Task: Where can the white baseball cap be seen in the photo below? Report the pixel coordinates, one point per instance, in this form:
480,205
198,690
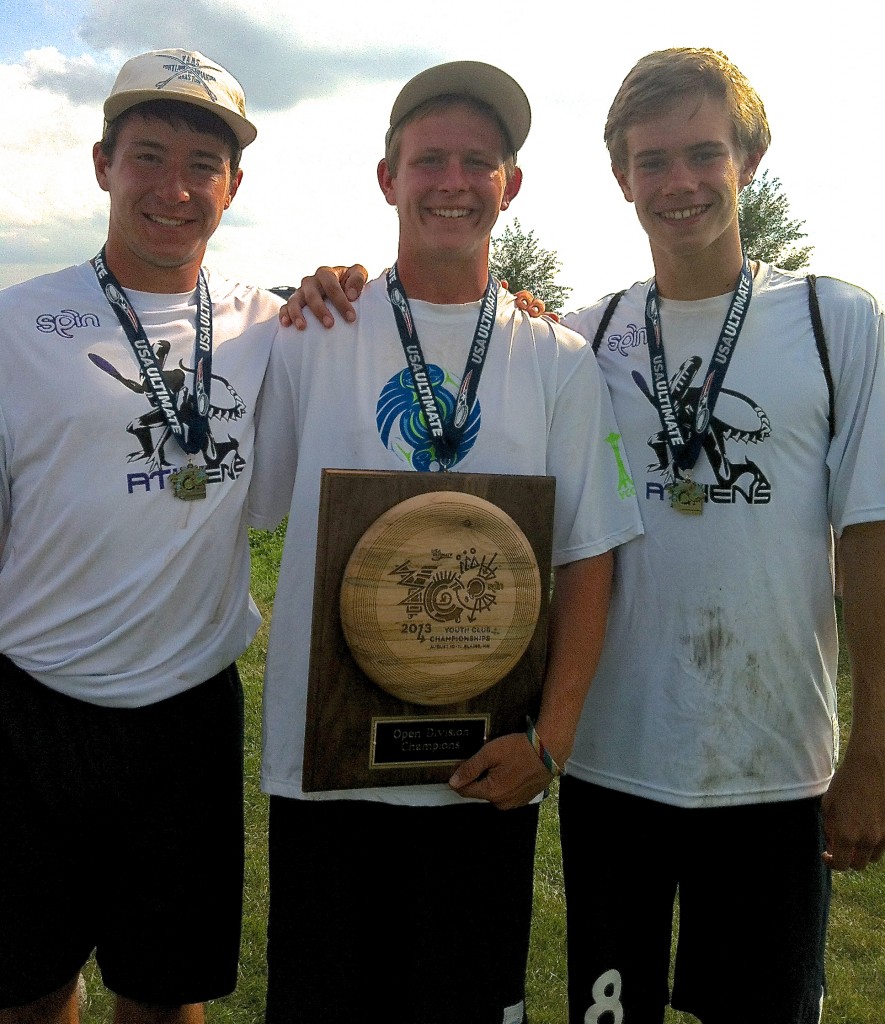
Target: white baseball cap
471,78
186,76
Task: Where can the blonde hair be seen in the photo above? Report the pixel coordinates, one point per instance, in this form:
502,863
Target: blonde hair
658,80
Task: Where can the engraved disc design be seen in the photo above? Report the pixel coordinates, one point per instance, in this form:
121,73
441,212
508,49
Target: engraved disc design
440,598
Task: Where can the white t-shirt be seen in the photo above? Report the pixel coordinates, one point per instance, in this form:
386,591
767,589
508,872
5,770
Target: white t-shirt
717,681
343,399
111,589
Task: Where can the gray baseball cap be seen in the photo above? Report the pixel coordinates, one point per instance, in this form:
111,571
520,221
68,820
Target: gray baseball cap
471,78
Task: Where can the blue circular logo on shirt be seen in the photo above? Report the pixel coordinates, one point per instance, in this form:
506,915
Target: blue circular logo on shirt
401,424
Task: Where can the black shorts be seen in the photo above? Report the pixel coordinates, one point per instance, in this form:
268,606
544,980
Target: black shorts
122,833
410,915
753,903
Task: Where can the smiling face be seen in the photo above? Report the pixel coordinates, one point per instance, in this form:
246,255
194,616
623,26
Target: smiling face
684,171
169,186
449,188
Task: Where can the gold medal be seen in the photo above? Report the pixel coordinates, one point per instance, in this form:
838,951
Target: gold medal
687,497
189,483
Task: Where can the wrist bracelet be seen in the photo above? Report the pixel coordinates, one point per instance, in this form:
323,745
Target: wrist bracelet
541,750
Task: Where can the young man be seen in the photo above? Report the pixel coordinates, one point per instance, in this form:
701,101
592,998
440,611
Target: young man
420,896
704,758
127,388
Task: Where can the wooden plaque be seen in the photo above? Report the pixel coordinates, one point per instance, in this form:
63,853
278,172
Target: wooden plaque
429,621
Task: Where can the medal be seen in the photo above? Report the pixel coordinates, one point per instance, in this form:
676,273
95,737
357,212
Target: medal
687,496
189,483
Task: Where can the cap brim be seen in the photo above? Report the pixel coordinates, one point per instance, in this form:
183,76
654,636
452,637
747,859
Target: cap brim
120,102
471,78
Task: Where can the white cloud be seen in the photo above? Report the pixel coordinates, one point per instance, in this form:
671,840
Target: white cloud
82,79
270,54
321,96
50,204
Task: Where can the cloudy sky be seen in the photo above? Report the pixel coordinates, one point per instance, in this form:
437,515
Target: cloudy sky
320,80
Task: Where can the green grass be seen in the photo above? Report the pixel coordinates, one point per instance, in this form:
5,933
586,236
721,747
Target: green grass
856,952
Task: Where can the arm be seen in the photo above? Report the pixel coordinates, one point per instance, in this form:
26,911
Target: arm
275,455
506,771
340,285
854,805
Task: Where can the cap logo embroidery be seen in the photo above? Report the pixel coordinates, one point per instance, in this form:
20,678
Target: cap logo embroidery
188,69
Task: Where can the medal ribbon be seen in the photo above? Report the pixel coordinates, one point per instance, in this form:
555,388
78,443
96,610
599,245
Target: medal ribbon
192,431
446,435
684,451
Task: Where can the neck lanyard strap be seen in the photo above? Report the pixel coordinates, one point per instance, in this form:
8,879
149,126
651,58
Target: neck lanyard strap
686,447
188,422
446,434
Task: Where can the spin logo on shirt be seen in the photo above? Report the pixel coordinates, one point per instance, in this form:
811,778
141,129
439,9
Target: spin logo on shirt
63,323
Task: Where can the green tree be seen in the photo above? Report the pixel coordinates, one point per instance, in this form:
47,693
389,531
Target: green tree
517,258
766,230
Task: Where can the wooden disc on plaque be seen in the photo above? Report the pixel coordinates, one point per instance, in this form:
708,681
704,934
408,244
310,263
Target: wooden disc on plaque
440,598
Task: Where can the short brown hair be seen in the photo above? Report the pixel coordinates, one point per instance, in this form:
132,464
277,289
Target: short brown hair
174,112
445,102
658,80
